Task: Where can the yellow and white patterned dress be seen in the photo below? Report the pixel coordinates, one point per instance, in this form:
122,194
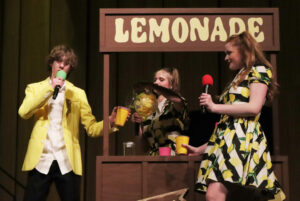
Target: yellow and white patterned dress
237,151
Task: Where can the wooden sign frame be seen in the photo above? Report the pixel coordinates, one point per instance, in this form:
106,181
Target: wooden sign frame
184,29
107,45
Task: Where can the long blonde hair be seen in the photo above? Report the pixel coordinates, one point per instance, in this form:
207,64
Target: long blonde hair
252,54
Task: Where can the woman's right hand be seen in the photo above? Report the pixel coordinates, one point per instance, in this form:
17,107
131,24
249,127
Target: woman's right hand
194,151
206,100
136,118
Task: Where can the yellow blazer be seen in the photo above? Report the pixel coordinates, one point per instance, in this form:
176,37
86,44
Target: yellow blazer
76,109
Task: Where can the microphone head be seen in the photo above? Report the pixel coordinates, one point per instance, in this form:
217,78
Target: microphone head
62,74
207,80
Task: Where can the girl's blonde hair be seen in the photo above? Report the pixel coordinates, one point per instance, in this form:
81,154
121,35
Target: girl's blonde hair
173,78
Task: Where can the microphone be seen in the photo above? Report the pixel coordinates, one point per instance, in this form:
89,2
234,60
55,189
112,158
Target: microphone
207,81
62,74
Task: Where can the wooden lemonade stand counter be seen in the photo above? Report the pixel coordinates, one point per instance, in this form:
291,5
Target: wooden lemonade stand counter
136,177
130,178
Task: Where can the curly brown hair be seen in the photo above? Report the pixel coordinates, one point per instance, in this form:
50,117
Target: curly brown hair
57,54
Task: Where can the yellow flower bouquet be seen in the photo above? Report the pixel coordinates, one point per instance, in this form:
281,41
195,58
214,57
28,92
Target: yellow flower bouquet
145,104
143,99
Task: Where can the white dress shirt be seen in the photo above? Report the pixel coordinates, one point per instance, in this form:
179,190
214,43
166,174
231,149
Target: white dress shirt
54,147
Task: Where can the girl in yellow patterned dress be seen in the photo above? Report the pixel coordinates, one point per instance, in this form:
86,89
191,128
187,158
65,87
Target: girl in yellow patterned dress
237,154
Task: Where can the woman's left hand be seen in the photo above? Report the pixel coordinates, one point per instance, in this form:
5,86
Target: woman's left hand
206,100
136,118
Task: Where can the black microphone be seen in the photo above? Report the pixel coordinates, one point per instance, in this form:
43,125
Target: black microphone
62,74
207,81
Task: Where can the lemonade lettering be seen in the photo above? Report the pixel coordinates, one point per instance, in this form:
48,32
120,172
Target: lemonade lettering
181,29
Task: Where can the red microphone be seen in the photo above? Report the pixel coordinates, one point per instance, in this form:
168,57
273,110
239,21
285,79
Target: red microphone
207,81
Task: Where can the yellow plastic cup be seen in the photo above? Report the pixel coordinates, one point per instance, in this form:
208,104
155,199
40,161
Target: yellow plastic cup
181,140
122,114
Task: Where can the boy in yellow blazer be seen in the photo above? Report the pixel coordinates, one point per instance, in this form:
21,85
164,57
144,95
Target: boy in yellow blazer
53,153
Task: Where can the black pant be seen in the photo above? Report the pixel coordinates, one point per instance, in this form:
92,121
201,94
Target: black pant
38,185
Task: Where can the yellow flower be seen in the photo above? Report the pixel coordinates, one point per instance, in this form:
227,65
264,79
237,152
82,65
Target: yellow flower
245,92
227,174
212,150
250,169
226,131
269,72
264,177
222,163
208,172
222,143
270,184
231,134
246,166
235,161
145,104
242,147
269,164
255,146
137,103
265,157
249,136
230,148
213,138
264,143
199,172
256,158
256,74
205,165
231,97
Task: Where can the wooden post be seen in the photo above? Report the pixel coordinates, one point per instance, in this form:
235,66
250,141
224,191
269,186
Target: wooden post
106,105
276,137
